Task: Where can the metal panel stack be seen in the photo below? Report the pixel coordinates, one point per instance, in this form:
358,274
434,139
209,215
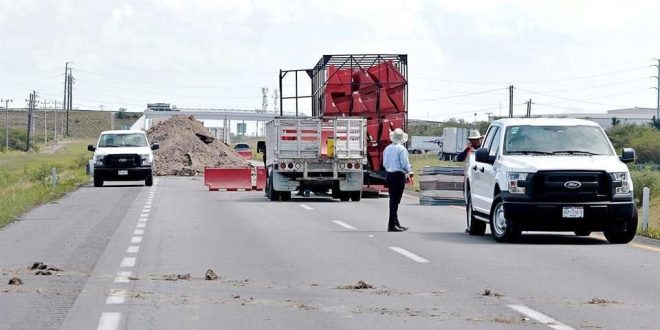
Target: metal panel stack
441,185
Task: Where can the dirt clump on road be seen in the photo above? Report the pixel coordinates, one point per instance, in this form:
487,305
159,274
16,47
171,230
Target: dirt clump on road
361,285
43,269
15,281
186,147
211,275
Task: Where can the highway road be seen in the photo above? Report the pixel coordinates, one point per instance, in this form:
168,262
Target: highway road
124,252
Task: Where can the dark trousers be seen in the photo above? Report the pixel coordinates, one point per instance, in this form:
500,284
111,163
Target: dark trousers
396,182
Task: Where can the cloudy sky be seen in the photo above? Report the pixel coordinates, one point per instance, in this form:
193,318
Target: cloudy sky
567,56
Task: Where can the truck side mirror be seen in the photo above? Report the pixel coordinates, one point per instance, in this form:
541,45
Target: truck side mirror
155,146
91,148
628,155
482,156
261,147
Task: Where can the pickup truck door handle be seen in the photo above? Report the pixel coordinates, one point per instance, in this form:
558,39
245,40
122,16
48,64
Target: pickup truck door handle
482,170
474,167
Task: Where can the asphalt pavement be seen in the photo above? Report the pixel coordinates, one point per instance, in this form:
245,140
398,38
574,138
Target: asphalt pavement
135,257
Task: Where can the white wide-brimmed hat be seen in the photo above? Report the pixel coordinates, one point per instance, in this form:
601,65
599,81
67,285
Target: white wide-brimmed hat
398,136
474,135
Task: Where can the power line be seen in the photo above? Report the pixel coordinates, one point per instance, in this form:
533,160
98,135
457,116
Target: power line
568,99
166,85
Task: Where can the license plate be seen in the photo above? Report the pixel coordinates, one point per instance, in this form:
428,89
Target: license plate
573,212
122,172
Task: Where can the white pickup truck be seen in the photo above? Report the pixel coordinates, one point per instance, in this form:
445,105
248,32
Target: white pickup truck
549,175
123,156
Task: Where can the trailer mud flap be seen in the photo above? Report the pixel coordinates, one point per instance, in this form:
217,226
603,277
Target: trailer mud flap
233,178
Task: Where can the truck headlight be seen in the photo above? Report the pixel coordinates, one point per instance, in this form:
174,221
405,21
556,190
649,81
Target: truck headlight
626,185
98,160
513,179
146,159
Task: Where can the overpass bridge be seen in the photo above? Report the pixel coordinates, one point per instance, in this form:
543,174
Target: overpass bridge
217,120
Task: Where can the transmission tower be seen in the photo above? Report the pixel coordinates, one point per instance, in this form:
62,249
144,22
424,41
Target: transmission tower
275,97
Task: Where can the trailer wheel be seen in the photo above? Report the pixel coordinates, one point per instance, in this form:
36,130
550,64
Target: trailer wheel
272,194
344,196
356,195
336,193
98,181
286,195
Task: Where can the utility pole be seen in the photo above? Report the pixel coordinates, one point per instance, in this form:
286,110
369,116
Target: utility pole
55,125
45,103
511,101
31,103
66,84
69,97
657,89
529,108
7,101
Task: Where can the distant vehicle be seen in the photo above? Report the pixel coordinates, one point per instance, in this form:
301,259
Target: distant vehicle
244,150
453,142
425,144
123,156
161,107
546,174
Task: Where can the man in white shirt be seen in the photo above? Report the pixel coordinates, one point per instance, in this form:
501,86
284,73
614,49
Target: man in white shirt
397,165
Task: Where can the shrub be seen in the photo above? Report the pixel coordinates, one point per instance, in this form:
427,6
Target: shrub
645,178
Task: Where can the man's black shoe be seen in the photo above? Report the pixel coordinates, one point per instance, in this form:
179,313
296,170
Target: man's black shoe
395,229
402,228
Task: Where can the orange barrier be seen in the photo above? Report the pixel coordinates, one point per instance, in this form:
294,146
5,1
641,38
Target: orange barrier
230,178
234,178
261,178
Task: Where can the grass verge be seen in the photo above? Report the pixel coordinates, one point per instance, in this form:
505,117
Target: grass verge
25,178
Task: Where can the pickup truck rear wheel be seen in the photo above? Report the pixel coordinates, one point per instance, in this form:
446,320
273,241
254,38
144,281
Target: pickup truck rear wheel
286,195
475,227
149,181
356,196
500,226
625,236
344,196
98,182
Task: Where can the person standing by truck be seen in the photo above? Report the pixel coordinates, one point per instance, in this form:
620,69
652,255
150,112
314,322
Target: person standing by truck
474,143
399,170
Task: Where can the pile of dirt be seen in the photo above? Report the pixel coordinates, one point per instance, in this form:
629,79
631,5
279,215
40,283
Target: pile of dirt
361,285
186,146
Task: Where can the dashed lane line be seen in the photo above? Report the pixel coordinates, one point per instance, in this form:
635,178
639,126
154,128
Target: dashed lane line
305,207
345,225
116,297
141,225
109,321
408,254
540,317
133,249
136,239
138,232
127,262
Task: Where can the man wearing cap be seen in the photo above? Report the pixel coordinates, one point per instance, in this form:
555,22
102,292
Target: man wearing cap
397,165
474,143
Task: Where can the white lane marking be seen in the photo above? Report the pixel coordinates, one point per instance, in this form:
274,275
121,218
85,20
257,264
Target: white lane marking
116,297
408,254
136,239
146,210
144,215
133,249
305,207
123,277
127,262
138,232
109,321
457,207
143,219
540,317
141,225
345,225
149,202
147,206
